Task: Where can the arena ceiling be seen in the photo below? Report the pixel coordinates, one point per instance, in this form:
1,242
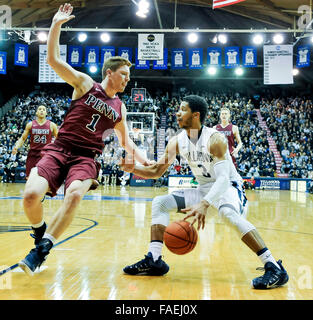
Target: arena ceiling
276,13
183,14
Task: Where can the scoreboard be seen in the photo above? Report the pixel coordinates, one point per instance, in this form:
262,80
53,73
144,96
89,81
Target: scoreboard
138,95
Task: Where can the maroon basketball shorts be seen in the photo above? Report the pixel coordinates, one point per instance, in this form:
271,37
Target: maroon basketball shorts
58,165
33,157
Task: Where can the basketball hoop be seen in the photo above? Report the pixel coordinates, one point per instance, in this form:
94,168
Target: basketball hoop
136,132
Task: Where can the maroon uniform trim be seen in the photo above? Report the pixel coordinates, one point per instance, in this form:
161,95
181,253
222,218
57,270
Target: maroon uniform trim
89,120
229,134
40,135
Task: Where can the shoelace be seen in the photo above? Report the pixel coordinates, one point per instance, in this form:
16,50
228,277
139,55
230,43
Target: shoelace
142,263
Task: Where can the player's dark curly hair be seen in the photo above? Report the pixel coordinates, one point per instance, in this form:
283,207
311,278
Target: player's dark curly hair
197,104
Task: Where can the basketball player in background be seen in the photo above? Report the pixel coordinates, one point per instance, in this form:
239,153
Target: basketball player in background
220,185
95,111
41,132
231,132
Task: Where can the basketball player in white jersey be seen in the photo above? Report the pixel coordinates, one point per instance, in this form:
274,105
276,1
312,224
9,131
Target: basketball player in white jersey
206,151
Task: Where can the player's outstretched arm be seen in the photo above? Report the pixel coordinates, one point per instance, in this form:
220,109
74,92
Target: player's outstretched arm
79,80
22,139
156,170
122,132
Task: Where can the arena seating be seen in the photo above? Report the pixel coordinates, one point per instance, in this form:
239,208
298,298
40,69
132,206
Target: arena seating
275,137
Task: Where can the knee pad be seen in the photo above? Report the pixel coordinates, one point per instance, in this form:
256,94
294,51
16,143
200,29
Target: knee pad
161,207
234,219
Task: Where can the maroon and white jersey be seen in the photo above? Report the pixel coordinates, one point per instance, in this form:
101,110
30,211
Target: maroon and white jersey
228,132
89,120
40,135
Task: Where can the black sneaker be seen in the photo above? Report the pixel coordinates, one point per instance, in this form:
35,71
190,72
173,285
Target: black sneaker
38,233
36,257
148,266
272,278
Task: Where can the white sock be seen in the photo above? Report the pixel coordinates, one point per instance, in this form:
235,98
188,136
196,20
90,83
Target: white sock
155,248
267,257
38,225
50,237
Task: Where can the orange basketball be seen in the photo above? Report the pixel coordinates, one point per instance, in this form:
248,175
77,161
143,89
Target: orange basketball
180,237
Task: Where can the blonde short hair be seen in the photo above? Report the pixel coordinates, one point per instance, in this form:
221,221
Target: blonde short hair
113,64
225,109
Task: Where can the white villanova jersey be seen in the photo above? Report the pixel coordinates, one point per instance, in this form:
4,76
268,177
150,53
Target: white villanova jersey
199,158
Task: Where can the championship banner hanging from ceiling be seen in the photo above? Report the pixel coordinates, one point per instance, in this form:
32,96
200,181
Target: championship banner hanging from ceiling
150,46
224,3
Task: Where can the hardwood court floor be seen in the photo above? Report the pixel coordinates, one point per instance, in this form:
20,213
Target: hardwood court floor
111,230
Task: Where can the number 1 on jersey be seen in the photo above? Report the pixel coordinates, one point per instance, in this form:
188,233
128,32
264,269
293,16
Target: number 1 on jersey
92,125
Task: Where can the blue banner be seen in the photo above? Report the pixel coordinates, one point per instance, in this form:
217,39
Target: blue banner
249,56
126,53
195,58
303,56
161,64
214,57
136,181
3,62
91,55
141,64
178,59
21,55
231,57
75,56
107,53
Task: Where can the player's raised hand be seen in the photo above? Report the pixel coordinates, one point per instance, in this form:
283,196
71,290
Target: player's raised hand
127,164
64,14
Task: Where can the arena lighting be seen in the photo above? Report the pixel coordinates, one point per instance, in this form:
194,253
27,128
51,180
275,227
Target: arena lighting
212,71
140,14
295,71
258,39
82,37
192,37
239,71
93,69
278,38
105,37
143,8
222,38
42,36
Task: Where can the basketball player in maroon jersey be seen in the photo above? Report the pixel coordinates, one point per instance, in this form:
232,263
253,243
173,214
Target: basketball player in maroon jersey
95,111
231,132
41,132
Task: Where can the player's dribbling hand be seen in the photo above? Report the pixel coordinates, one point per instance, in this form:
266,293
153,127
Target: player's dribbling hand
127,164
199,212
64,14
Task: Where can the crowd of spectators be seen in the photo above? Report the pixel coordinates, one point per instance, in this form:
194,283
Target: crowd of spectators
289,120
291,124
14,122
255,158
